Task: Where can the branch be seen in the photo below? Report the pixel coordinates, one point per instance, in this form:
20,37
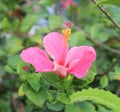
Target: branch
107,14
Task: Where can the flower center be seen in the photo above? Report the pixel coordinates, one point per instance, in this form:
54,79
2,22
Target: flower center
66,31
60,70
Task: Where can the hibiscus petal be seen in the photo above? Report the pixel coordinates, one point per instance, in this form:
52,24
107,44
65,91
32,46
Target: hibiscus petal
60,70
37,58
79,60
56,47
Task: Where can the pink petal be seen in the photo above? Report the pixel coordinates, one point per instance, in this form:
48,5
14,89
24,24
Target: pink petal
56,47
79,60
60,70
73,3
67,3
37,58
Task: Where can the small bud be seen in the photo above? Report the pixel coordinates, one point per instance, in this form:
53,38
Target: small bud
26,68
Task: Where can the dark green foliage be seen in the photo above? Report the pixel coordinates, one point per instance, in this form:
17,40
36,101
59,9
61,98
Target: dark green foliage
22,89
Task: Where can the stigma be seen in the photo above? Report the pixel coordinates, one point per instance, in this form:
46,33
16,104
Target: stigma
66,32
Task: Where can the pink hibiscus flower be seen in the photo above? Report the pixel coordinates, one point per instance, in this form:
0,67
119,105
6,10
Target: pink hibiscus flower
63,60
67,3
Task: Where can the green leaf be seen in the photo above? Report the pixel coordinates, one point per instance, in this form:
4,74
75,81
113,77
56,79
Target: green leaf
23,77
52,79
15,24
37,98
20,91
114,11
117,70
55,22
80,107
67,81
20,65
28,22
13,45
62,97
9,69
44,30
87,107
15,65
6,24
113,76
55,106
36,38
113,2
97,31
116,74
104,81
50,97
34,81
47,3
78,38
101,1
103,109
72,108
13,61
102,97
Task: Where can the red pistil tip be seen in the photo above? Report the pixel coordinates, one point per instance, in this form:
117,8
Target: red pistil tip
68,24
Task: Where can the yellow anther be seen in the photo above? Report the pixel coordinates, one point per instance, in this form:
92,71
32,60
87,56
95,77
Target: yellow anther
66,32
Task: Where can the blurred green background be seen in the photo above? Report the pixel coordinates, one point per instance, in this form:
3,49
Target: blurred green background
23,23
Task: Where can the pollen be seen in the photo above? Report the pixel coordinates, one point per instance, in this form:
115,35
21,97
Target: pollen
66,32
